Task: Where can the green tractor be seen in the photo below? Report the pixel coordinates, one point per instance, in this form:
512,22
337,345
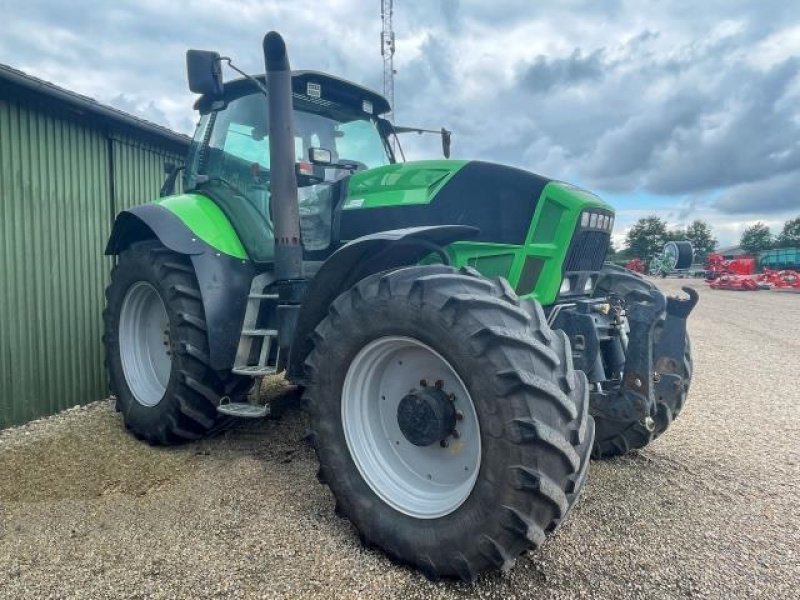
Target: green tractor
462,347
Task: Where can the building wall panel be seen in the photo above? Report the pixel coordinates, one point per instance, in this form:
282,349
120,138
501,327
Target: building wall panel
56,211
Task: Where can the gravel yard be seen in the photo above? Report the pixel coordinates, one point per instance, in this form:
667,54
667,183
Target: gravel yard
710,510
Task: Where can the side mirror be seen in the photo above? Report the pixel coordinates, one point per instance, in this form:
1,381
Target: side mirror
446,142
320,156
204,72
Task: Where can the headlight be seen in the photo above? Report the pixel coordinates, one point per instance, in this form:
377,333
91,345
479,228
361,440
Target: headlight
565,286
597,220
587,287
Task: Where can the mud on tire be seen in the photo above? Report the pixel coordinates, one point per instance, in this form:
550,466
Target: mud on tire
532,408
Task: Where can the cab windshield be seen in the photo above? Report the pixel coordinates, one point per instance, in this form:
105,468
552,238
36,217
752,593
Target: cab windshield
231,150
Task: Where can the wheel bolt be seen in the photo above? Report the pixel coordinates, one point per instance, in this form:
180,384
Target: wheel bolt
459,415
439,384
444,443
452,397
423,383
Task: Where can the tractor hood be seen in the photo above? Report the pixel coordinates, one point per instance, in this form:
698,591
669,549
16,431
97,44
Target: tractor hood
497,199
400,184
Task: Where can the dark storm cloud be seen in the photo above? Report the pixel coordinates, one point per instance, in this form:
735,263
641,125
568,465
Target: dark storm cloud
756,136
544,73
778,195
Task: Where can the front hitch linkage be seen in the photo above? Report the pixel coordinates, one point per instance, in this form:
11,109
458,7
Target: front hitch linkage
650,368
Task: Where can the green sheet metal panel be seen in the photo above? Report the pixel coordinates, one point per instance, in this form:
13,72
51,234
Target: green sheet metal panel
56,210
54,216
139,171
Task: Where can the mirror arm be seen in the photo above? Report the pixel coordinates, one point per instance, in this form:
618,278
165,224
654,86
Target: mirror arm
445,134
255,81
168,188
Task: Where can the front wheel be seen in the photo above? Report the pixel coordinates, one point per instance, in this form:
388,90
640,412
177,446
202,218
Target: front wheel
448,420
157,349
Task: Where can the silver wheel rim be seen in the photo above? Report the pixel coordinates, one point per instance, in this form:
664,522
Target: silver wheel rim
144,343
423,482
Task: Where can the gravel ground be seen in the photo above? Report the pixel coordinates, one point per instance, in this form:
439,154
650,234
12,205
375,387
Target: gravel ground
710,510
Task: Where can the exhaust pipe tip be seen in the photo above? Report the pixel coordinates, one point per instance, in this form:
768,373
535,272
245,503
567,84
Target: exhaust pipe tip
275,52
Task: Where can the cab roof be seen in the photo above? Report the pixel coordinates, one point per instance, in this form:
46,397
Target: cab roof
312,86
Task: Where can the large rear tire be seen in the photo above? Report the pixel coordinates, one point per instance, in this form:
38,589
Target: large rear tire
157,349
519,459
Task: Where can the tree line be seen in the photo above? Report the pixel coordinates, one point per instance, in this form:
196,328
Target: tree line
649,234
759,237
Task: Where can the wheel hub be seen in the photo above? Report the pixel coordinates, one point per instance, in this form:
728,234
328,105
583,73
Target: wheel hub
144,343
426,416
423,481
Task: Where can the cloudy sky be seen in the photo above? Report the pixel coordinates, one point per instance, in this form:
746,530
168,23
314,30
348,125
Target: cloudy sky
680,108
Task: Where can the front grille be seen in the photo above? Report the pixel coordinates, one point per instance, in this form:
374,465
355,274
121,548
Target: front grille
587,252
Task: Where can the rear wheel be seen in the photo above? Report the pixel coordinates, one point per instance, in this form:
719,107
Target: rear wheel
447,417
157,349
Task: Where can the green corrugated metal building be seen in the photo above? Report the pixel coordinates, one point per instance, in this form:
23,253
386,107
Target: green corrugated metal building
67,165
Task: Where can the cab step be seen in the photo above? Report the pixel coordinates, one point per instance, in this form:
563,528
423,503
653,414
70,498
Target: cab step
244,410
260,332
254,370
257,352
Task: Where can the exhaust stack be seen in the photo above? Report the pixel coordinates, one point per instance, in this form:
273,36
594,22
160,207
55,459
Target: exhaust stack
283,179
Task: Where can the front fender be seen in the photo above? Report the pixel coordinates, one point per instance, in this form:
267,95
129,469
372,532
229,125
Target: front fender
224,280
149,221
355,260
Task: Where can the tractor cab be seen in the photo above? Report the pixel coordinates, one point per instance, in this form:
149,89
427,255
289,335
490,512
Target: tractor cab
337,131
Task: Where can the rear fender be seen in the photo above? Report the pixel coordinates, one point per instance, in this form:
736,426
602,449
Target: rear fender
353,262
224,280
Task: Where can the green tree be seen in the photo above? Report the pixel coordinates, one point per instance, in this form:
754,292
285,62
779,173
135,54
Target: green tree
790,236
675,235
646,238
699,233
756,238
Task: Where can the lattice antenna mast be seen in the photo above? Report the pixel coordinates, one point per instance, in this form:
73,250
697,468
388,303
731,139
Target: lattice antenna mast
387,51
